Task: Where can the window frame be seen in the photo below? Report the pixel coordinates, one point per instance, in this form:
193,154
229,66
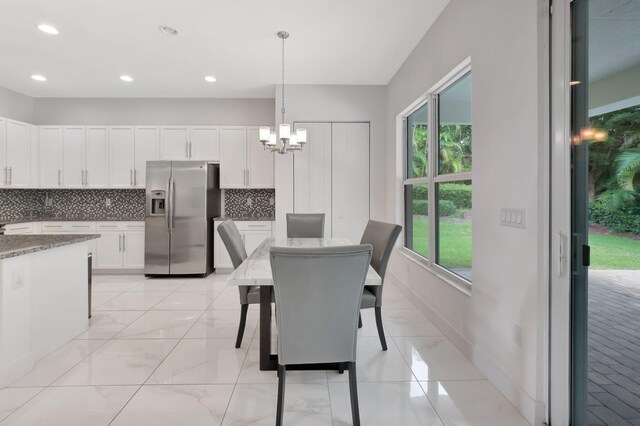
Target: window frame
431,98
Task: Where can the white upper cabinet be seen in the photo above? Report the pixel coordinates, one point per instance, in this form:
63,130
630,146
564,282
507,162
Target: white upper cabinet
96,174
15,147
73,150
233,157
204,143
50,156
147,146
174,143
243,161
121,155
260,161
35,156
190,143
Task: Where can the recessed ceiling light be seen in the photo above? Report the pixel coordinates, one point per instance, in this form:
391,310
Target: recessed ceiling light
210,78
38,77
126,78
168,30
45,28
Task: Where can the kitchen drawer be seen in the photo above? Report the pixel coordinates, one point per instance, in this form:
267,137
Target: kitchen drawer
254,225
19,228
68,226
121,226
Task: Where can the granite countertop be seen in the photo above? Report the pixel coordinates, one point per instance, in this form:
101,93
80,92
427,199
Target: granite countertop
70,218
238,219
17,245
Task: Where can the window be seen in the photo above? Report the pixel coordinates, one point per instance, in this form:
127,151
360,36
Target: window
438,180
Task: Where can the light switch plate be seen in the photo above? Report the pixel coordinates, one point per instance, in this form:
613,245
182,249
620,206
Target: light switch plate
513,218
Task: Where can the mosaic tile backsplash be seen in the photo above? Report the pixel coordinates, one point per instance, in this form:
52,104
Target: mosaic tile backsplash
127,204
250,203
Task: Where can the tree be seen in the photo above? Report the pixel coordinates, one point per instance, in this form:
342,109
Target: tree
455,148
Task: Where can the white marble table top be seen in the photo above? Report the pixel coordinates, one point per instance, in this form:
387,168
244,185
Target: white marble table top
256,269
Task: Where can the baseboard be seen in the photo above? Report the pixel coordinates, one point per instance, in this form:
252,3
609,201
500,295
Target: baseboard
510,390
118,271
12,372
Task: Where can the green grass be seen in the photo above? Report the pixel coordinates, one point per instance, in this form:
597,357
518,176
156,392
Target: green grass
455,242
607,251
614,252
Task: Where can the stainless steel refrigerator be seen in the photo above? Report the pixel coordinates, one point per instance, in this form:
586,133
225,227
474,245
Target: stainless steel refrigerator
182,199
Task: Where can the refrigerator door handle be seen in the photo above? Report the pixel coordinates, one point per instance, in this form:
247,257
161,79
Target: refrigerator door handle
167,214
172,207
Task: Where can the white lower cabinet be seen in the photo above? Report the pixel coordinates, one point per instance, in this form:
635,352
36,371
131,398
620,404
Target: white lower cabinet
121,245
253,233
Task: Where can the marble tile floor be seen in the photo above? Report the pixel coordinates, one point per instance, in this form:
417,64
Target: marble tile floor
161,352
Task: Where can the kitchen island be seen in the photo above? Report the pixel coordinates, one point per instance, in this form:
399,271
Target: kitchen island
44,302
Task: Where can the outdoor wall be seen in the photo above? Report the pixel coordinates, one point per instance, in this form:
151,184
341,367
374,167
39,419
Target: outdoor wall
334,103
16,105
116,111
614,92
505,40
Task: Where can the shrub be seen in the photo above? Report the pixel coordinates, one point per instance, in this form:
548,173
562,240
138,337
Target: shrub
457,193
447,208
421,207
619,220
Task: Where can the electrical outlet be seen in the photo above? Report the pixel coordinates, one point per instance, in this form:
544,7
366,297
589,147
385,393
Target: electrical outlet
17,280
517,335
272,201
107,202
249,202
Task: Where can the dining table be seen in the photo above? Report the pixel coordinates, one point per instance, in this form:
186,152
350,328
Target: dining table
256,271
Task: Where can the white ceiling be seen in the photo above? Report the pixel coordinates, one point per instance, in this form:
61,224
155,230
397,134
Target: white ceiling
332,42
614,37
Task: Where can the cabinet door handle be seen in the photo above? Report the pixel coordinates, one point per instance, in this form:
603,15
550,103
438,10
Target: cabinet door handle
119,243
186,147
59,177
86,177
131,177
135,177
124,243
6,181
10,175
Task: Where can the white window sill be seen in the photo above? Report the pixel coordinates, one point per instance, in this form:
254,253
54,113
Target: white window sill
450,278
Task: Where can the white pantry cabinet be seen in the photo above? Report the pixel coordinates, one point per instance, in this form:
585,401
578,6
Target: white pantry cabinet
244,163
190,143
15,149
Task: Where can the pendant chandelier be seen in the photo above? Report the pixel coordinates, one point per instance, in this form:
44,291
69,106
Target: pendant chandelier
285,141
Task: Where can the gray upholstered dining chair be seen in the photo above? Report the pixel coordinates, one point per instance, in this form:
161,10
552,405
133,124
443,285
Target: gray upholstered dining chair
248,294
305,225
318,293
382,237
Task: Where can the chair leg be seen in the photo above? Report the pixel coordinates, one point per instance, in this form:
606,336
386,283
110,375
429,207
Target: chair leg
282,371
383,341
359,320
243,322
353,392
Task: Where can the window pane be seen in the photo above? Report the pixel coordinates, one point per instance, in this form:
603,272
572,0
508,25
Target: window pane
416,218
454,128
417,143
454,227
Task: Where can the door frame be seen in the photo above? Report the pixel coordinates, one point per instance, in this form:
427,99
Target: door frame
560,192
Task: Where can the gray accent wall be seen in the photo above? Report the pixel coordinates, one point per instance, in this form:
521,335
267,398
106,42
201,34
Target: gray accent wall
106,111
16,106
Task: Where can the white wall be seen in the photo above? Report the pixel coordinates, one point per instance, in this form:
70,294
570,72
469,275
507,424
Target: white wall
505,40
77,111
614,92
333,103
16,105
